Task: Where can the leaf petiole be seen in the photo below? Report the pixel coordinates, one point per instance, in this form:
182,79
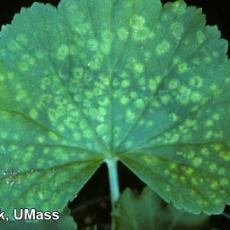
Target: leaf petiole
113,180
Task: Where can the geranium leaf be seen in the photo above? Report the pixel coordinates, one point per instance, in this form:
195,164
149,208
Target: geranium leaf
147,211
132,80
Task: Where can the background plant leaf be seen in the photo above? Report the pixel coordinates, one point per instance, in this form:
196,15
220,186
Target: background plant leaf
147,211
132,80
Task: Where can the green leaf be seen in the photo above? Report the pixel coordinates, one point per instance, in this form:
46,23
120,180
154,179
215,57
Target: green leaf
65,222
99,79
147,211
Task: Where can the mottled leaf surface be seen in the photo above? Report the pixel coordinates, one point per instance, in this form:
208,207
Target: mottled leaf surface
147,211
132,80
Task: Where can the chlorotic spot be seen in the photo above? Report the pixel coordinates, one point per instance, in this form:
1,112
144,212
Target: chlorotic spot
189,171
173,84
124,100
123,34
33,113
212,167
196,97
165,99
214,185
200,36
93,44
125,83
182,68
197,161
130,115
173,117
139,103
163,47
62,52
22,38
177,29
138,68
224,181
154,83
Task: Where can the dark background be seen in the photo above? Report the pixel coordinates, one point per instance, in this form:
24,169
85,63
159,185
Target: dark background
217,13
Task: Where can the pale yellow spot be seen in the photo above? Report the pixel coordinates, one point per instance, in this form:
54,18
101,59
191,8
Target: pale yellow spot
139,29
173,117
77,136
212,167
214,185
174,138
179,7
197,161
221,171
167,172
22,38
41,139
172,165
173,84
53,136
139,103
208,135
182,68
138,68
205,152
107,38
184,95
224,181
124,100
130,115
165,99
200,36
189,171
95,63
167,188
61,128
33,113
196,97
216,116
176,60
154,83
62,52
21,94
88,133
133,95
190,123
101,129
225,155
179,153
147,159
137,22
123,34
150,124
3,135
217,201
125,83
213,87
196,81
177,29
194,181
93,44
209,123
162,48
